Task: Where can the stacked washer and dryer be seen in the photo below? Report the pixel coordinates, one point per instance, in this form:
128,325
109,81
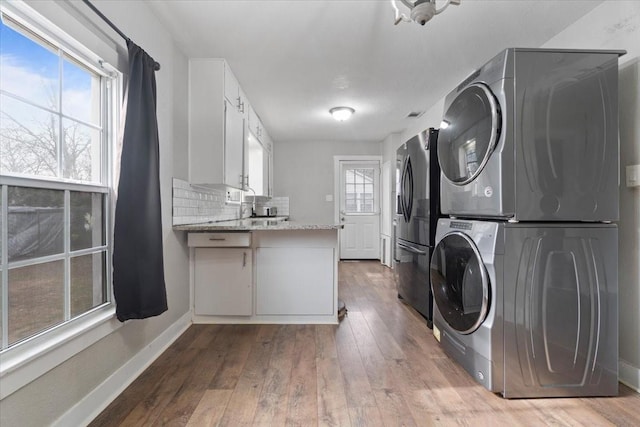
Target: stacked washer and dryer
525,268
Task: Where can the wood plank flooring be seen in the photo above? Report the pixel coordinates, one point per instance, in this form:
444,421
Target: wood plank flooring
380,366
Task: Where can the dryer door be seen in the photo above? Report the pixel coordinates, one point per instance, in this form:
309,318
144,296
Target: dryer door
465,145
459,282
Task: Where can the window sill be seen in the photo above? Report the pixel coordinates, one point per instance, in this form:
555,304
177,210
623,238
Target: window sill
29,360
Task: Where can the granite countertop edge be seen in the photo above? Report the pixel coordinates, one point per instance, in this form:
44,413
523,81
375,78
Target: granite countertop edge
248,225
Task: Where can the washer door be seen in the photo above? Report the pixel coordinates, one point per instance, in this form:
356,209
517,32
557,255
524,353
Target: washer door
460,283
465,145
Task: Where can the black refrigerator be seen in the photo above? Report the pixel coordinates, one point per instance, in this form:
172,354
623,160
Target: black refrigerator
416,215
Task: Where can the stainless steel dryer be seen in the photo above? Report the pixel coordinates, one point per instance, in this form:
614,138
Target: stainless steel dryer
533,136
529,310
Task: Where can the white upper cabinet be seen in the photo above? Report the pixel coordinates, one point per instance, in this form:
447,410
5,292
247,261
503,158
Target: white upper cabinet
267,169
255,125
216,125
225,132
234,147
231,86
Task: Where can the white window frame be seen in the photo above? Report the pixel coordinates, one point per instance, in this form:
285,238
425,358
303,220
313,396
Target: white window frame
26,361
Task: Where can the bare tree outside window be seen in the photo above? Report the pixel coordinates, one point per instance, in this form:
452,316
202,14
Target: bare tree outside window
51,129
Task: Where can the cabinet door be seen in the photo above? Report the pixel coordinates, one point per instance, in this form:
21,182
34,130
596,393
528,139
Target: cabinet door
253,122
294,281
233,147
266,173
231,86
270,183
243,104
223,282
267,143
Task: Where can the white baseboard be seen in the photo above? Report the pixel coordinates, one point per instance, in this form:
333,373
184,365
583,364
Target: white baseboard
83,412
629,375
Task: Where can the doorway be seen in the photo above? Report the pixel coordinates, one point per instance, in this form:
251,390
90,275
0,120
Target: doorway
357,196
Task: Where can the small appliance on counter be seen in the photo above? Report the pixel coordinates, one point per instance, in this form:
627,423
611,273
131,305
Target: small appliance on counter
266,211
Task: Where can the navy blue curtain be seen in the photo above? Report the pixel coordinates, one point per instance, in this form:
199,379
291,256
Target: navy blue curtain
138,267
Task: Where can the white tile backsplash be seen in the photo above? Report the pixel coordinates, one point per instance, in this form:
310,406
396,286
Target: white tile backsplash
195,204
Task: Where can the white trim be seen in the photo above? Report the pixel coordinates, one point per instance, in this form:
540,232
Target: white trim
336,179
337,189
25,15
83,412
385,250
52,183
629,375
32,359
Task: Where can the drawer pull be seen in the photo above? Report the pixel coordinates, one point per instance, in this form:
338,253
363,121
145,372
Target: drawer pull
217,239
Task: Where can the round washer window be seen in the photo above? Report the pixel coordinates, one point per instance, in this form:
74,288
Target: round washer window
459,283
465,145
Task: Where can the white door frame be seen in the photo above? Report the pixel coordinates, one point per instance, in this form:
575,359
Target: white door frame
336,184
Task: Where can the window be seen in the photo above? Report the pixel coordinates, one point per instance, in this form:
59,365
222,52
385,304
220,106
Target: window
359,190
57,111
256,166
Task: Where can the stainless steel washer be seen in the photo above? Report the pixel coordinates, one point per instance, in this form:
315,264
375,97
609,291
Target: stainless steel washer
529,310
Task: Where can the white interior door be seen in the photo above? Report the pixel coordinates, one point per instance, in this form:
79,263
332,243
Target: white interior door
360,209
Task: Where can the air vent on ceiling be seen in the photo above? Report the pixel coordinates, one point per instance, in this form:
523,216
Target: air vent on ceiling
415,114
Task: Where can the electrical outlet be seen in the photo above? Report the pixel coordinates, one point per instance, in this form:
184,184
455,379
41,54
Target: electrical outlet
633,176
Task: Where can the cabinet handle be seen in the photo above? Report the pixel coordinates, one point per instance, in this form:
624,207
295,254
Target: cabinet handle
217,239
244,259
412,250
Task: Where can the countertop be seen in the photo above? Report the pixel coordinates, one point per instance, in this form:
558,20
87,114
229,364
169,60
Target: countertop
257,224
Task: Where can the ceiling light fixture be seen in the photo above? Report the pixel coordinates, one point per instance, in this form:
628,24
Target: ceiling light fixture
421,10
444,124
341,113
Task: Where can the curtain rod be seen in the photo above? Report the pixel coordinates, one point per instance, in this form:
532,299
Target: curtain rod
112,25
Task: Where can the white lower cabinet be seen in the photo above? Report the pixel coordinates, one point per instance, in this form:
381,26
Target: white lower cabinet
223,281
295,281
264,276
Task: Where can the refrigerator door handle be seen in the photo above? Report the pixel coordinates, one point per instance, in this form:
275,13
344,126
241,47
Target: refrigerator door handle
411,249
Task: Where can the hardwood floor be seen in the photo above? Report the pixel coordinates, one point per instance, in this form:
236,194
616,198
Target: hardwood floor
380,366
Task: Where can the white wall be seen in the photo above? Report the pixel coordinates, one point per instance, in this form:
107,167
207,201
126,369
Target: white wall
611,25
304,172
389,146
616,25
53,394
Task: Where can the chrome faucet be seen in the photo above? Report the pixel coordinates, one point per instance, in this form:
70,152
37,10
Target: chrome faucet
253,205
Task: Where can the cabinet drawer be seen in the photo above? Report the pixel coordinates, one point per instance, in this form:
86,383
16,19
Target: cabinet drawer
219,240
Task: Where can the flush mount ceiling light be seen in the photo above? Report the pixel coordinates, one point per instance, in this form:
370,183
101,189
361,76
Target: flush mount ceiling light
421,10
341,113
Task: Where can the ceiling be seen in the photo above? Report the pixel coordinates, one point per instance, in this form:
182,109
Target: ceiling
295,59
